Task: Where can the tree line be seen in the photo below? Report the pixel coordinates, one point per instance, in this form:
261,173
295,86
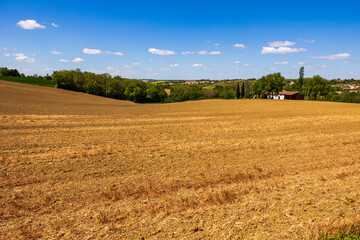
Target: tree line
315,88
108,86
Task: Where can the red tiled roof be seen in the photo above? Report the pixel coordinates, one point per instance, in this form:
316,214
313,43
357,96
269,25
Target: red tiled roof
289,93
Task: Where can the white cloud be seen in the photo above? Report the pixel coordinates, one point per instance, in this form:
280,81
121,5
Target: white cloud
5,48
6,54
214,53
187,52
217,44
20,57
309,41
63,60
281,44
91,51
247,65
281,62
301,63
128,66
281,50
97,51
29,24
334,57
55,52
197,65
160,52
175,65
324,66
54,25
78,60
113,53
202,53
209,53
239,45
236,61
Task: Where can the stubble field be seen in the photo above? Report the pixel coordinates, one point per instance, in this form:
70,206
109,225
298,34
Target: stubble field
74,165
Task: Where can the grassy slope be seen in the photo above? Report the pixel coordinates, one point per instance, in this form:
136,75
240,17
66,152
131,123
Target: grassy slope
32,81
84,166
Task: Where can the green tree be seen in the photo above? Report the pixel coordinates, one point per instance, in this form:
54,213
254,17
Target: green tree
136,92
300,81
243,90
4,71
180,93
155,94
271,83
238,91
315,87
257,88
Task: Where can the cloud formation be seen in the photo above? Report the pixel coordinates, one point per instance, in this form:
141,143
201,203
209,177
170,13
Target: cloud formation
91,51
97,51
64,60
239,45
333,57
174,65
160,52
281,44
55,52
78,60
202,53
29,24
20,57
281,50
54,25
281,62
197,65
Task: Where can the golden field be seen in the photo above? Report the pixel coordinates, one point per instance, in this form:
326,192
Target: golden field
77,166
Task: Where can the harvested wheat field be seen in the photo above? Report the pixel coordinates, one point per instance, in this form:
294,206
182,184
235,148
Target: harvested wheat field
79,166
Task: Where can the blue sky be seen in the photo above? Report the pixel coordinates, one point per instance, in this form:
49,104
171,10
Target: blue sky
182,39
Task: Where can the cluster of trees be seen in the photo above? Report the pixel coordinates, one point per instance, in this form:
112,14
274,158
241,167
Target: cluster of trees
315,88
4,71
271,83
105,85
226,90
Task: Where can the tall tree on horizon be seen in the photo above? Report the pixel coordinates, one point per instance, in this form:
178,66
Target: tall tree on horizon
243,90
237,91
300,82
